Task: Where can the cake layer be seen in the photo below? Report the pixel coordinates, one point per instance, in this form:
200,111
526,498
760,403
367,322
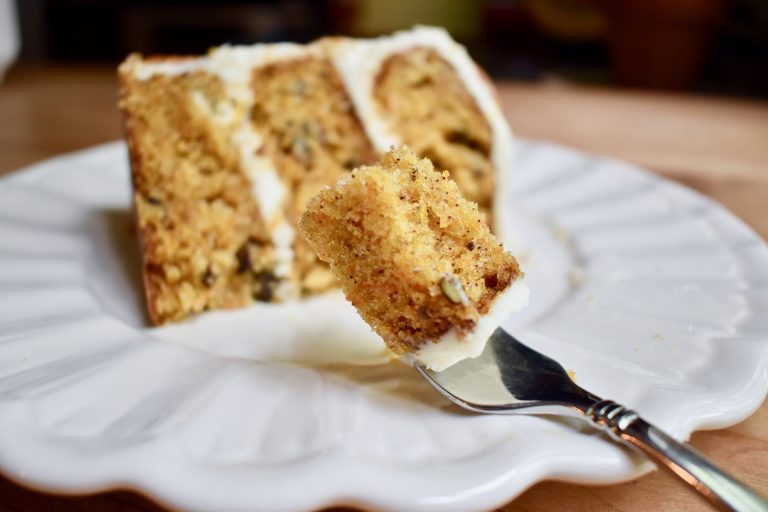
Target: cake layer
414,257
421,94
311,133
195,212
425,69
272,125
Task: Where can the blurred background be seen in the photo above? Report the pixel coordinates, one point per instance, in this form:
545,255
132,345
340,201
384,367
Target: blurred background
710,46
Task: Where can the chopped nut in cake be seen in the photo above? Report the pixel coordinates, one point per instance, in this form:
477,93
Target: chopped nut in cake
415,258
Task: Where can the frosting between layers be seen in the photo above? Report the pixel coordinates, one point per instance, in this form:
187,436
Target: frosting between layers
452,348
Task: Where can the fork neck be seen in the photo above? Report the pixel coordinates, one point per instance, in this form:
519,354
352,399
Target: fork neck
582,402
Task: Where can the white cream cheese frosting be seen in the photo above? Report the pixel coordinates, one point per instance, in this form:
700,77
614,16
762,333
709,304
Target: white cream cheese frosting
452,348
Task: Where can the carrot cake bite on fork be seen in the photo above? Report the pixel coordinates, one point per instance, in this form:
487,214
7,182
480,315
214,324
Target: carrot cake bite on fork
415,258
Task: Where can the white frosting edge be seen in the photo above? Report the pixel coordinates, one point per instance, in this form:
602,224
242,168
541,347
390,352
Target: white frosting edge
452,348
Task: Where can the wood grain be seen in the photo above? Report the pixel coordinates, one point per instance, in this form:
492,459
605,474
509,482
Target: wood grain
717,146
675,135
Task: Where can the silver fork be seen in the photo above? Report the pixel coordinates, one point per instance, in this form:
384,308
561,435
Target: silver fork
509,377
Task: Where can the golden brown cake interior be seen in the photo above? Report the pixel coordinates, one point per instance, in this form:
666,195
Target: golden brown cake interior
311,131
204,245
412,255
425,102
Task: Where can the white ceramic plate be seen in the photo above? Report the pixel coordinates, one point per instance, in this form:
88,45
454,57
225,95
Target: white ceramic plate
653,295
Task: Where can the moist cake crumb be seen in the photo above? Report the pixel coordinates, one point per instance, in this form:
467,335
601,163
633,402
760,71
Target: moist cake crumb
205,245
413,256
420,93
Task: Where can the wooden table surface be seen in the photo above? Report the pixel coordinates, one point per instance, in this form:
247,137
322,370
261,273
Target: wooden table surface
717,146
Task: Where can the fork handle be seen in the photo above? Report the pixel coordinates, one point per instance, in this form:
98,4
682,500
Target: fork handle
724,491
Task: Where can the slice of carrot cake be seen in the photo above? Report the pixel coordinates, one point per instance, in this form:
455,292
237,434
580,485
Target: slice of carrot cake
415,258
227,148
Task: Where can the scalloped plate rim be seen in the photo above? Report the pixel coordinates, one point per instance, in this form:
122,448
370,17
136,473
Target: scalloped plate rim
756,392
